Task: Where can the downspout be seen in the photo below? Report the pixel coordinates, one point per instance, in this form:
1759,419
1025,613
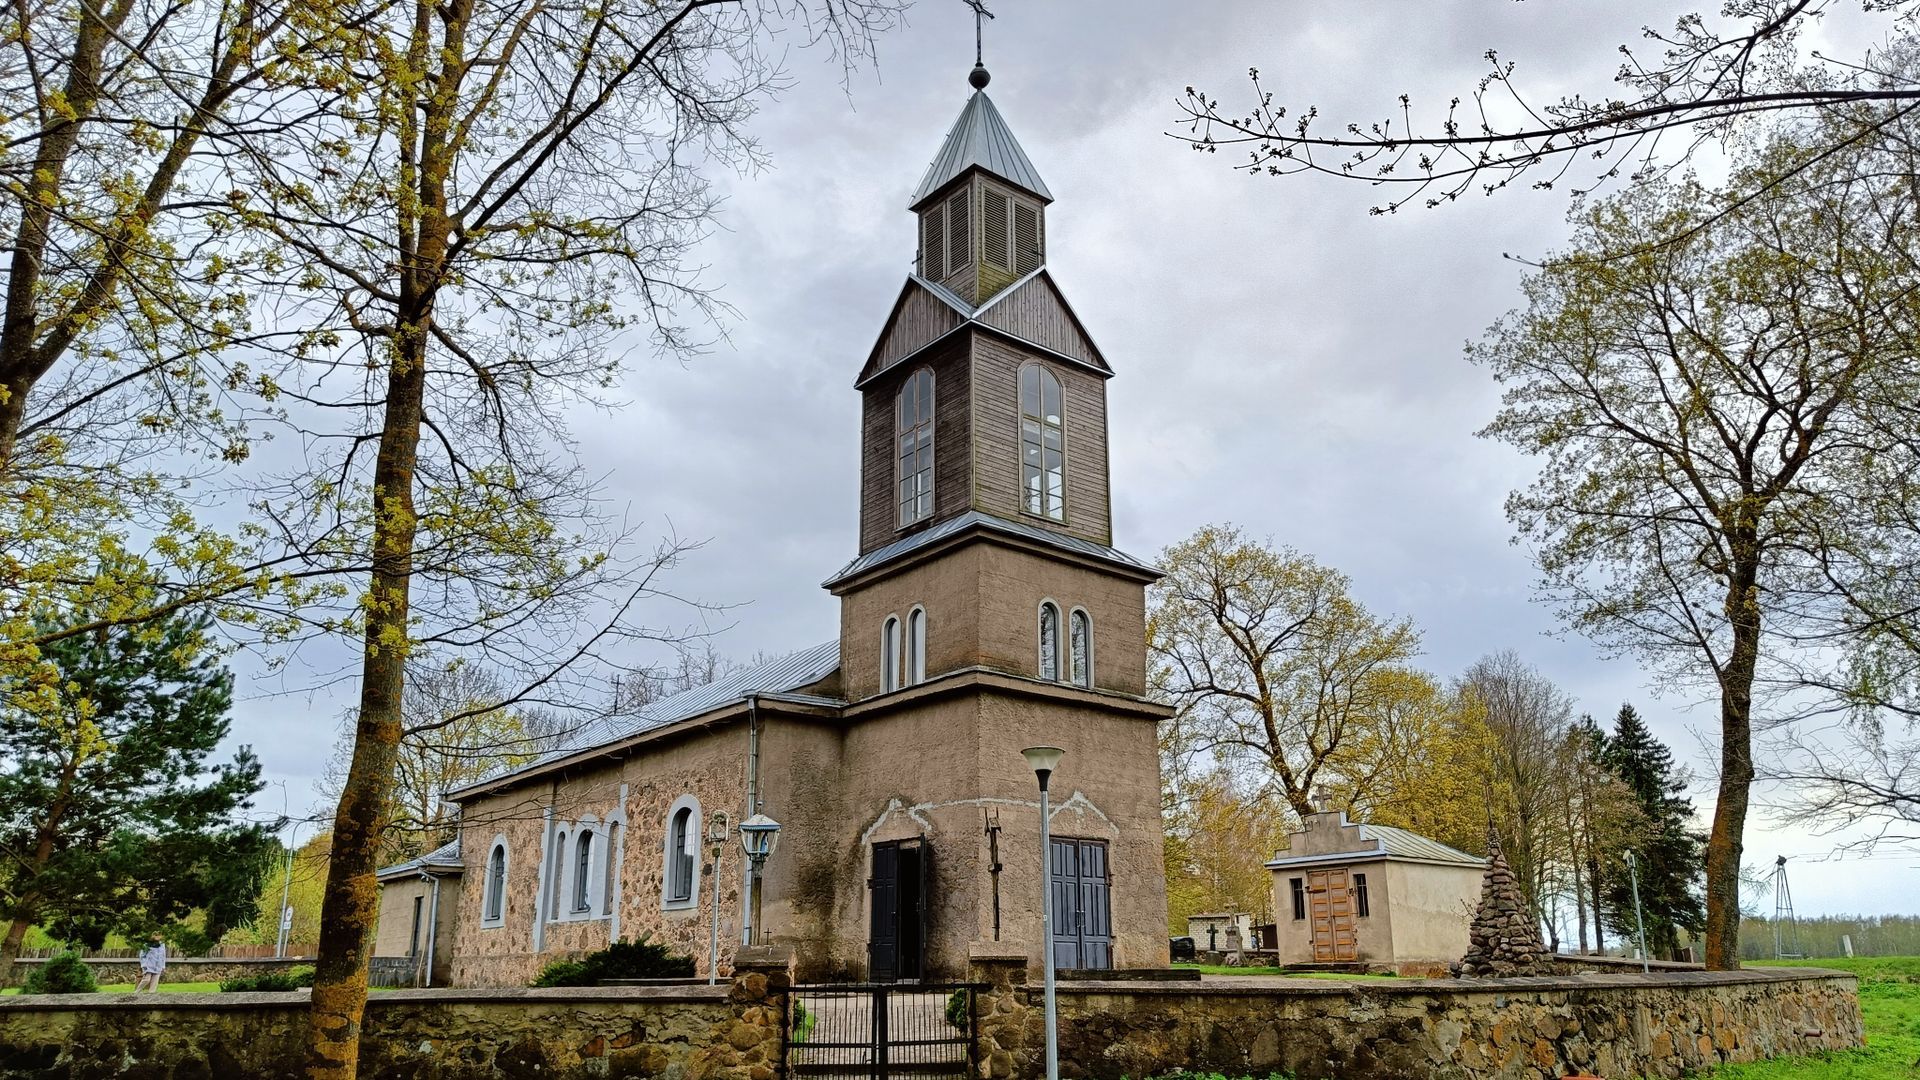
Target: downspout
433,924
753,807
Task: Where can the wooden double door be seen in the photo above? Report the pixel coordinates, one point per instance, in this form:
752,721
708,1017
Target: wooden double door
1330,916
1082,909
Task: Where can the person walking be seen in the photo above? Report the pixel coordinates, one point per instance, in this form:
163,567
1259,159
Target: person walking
153,961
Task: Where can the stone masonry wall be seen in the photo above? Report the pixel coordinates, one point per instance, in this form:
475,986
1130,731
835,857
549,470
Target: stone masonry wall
180,969
695,1032
1661,1025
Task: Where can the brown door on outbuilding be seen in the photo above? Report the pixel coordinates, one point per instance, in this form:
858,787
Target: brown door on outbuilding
1330,907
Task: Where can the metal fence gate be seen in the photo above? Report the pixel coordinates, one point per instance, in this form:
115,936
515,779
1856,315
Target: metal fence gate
871,1031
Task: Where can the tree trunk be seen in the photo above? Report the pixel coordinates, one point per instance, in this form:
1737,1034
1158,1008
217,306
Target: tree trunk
351,900
10,946
1736,770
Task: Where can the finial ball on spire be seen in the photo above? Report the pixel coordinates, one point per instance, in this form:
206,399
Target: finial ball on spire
978,77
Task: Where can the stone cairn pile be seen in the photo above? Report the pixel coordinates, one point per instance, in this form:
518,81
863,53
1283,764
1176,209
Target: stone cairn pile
1503,940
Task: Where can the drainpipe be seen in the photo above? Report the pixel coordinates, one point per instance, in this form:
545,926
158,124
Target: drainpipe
433,924
753,807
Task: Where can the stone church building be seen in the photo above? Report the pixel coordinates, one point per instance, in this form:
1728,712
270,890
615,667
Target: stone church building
985,610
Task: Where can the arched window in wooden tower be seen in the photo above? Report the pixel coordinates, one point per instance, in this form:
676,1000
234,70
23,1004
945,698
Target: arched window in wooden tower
1049,642
1043,454
914,411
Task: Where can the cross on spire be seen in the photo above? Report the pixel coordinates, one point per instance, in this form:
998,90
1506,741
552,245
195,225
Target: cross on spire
978,77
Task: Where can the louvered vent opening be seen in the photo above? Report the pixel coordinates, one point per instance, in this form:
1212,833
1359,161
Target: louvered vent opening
1026,239
933,242
957,221
994,226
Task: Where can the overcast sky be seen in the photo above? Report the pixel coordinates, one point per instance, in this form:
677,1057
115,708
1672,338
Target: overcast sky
1285,361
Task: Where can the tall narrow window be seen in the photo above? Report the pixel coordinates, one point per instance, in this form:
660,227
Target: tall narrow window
611,860
914,410
933,242
1026,239
1042,444
994,227
413,938
1049,642
583,872
557,870
495,908
958,248
1299,898
916,646
680,841
890,656
1360,905
1080,639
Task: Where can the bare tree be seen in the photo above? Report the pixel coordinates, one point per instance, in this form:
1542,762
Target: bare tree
1529,770
1690,85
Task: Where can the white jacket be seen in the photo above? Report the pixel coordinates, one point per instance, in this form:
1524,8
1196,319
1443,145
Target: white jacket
153,959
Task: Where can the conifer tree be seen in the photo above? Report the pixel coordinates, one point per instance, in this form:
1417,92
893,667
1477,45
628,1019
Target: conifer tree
111,818
1671,854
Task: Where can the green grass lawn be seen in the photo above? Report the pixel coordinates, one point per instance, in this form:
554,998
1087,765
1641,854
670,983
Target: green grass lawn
1890,1011
127,988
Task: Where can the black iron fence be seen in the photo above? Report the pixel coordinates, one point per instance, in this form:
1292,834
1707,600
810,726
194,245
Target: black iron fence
871,1031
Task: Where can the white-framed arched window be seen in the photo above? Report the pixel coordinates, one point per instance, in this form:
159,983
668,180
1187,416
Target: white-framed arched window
556,876
913,426
493,896
890,655
583,873
1043,450
1080,646
916,656
610,864
680,870
1049,641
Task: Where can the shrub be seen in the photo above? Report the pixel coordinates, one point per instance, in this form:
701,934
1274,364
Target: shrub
66,973
268,982
957,1009
642,959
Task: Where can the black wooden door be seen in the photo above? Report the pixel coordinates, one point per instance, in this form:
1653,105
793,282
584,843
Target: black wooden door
897,929
883,931
1082,915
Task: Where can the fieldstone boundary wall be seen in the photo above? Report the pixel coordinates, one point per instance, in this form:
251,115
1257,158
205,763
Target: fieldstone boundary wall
1613,1025
733,1031
182,969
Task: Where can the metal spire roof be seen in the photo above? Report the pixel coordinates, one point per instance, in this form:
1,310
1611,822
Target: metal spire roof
980,138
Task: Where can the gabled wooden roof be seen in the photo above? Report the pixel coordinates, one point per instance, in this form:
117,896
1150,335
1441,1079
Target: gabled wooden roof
1031,311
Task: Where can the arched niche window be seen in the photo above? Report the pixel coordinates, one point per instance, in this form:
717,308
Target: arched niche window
610,859
1080,646
493,902
1049,641
890,655
916,657
913,413
681,873
556,873
1043,454
583,872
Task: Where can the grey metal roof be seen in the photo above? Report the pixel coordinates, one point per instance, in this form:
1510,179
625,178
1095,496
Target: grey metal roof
446,855
1411,845
980,137
970,519
775,678
1392,843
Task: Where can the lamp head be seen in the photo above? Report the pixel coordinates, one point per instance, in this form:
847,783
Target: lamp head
1043,760
717,828
758,835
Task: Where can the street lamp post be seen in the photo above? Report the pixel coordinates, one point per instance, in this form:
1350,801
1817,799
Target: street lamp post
717,844
1043,760
1639,924
758,836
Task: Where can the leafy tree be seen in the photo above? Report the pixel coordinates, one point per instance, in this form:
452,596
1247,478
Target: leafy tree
1219,839
1425,768
110,818
1668,851
1719,422
1693,84
1270,660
